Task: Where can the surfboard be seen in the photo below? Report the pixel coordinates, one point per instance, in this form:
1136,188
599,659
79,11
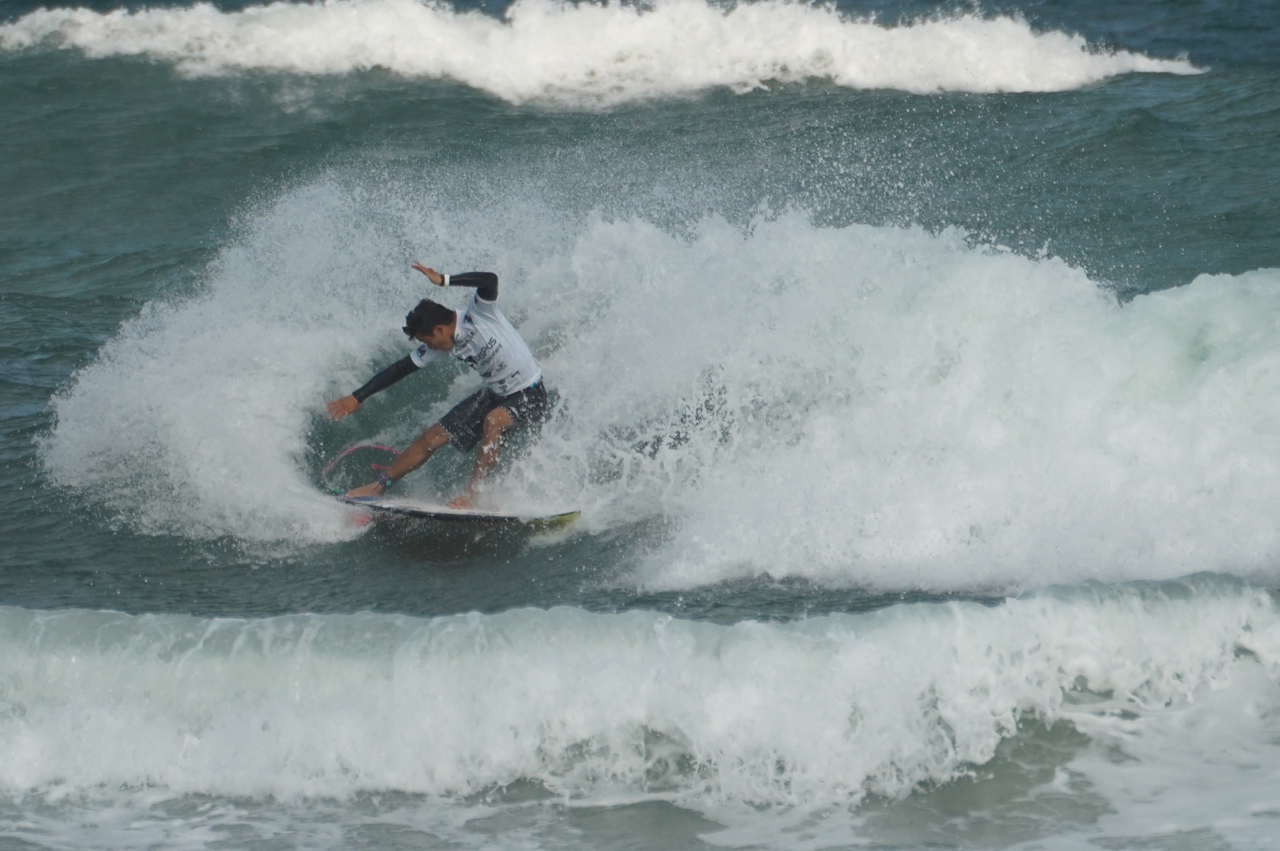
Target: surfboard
418,510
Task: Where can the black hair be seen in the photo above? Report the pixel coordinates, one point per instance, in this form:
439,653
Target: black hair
426,317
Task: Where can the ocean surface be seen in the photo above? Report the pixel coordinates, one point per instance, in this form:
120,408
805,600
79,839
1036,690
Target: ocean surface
915,367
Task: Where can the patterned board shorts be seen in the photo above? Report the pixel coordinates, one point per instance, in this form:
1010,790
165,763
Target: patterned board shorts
465,421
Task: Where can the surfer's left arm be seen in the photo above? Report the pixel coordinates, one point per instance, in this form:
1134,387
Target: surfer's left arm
485,283
340,408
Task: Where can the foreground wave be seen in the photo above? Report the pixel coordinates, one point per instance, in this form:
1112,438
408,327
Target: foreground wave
590,707
619,52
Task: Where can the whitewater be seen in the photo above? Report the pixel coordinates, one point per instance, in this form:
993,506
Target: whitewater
879,407
594,708
619,52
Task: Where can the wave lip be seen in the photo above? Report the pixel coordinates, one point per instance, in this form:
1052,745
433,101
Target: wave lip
595,55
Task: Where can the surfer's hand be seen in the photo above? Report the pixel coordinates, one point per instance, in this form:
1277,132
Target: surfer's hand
463,502
432,275
339,408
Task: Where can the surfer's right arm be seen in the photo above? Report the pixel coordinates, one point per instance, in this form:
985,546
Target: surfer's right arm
485,283
340,408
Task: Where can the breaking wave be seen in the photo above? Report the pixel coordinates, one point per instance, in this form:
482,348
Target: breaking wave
591,55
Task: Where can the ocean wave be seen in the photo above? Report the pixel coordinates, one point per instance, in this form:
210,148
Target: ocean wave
869,406
817,712
587,54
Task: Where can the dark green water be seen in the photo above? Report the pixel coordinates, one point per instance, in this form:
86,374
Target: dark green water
951,389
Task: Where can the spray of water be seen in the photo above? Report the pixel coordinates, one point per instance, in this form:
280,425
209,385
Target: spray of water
856,405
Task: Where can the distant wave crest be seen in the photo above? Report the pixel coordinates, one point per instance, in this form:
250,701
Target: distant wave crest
591,54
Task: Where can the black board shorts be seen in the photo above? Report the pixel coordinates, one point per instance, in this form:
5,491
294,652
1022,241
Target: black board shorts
465,421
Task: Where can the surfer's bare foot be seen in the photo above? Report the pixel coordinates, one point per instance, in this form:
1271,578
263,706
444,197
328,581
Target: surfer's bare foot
462,502
374,489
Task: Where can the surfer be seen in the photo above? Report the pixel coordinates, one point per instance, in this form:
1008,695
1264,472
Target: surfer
479,335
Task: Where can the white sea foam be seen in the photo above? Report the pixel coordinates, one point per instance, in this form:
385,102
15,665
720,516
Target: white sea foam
888,408
909,410
638,706
857,406
193,419
592,54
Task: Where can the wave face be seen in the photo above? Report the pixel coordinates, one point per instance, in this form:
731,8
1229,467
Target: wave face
586,54
817,712
861,405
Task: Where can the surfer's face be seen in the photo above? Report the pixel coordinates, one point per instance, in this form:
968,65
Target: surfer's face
440,338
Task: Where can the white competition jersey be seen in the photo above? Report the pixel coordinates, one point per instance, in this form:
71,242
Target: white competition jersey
485,339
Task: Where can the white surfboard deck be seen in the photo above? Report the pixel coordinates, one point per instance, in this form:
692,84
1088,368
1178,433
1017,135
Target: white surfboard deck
421,510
